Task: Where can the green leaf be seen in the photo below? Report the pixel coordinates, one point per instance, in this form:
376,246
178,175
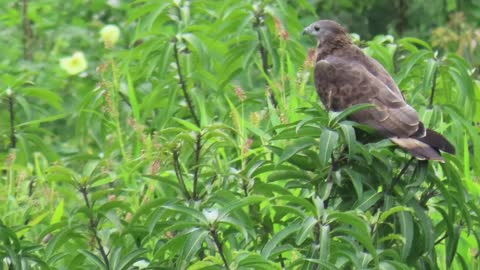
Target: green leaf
414,41
452,244
93,258
391,211
349,111
187,124
129,259
328,142
357,228
305,230
406,227
296,147
252,199
307,206
51,118
187,211
57,215
191,246
324,243
46,95
277,238
349,136
133,98
430,74
367,200
255,261
288,175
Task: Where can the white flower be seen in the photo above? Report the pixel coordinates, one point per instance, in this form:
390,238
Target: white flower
114,3
211,215
74,64
110,34
142,264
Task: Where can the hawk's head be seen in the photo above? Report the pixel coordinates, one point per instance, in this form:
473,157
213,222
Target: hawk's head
326,30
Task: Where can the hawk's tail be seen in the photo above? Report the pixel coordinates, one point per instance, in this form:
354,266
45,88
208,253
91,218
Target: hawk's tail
437,141
426,147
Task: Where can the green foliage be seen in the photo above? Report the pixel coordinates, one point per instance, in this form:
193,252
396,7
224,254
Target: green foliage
198,142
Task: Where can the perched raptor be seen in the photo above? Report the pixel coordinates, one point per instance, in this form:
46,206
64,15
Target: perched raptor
345,76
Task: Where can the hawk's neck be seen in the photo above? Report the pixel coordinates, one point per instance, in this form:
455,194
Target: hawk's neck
332,47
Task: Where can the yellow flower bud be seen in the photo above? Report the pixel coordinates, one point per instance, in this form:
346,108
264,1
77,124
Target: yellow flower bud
74,64
110,34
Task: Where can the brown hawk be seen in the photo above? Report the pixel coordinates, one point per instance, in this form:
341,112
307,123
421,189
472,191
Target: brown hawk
345,76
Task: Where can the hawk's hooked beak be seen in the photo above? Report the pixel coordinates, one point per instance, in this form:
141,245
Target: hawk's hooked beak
306,31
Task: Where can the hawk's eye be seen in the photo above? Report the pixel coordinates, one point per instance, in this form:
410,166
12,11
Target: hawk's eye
316,28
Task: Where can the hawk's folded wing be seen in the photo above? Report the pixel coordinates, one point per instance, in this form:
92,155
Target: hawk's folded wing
341,83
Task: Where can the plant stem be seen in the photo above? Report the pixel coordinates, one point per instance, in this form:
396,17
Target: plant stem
316,240
183,85
27,32
259,22
282,261
198,148
11,111
441,239
402,14
402,172
217,242
178,172
427,195
114,90
196,120
434,86
94,227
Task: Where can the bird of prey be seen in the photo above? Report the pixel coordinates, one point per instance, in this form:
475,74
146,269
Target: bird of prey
345,76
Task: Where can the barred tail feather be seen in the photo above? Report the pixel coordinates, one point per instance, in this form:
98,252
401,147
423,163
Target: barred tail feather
437,141
418,148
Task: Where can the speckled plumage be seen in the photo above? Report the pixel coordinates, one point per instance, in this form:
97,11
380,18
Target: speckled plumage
345,76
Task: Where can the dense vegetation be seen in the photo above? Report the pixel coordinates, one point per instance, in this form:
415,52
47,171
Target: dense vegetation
188,135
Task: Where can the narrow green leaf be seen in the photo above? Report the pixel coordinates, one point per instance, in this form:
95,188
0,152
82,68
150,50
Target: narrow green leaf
307,206
305,230
254,261
277,238
328,142
42,120
46,95
57,215
131,258
93,258
406,227
391,211
368,199
187,124
429,75
452,244
296,147
289,175
191,246
324,243
358,228
186,210
133,98
415,41
240,203
350,110
349,136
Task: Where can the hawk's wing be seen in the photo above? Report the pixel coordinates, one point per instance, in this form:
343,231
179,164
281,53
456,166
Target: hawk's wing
341,84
